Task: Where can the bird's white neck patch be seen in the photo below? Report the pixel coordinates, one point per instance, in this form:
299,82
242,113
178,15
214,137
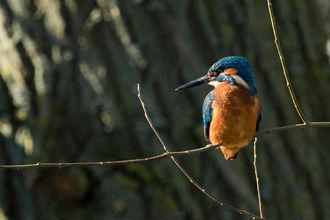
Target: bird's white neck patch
241,82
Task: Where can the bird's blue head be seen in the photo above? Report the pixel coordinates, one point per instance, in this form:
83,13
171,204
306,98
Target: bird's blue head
233,70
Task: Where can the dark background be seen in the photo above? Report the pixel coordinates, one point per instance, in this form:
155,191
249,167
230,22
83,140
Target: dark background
69,71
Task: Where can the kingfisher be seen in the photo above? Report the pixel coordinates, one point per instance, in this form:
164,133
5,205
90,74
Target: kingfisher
231,111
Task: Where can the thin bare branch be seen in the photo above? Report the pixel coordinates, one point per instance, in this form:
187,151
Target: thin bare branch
120,162
241,211
292,127
285,71
256,173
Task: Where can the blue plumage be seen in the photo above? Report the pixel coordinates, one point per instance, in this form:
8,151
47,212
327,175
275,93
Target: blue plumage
207,112
225,78
243,69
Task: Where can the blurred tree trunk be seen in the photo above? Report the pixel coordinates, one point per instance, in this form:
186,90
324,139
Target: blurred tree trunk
69,71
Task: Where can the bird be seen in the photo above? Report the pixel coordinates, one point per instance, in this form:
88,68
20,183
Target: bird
232,111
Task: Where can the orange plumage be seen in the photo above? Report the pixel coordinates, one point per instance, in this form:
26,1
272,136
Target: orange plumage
234,117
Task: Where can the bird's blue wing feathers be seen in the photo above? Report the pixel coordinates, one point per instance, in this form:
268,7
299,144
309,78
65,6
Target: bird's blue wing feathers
207,112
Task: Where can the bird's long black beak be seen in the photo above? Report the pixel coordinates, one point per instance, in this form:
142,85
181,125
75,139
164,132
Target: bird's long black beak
196,82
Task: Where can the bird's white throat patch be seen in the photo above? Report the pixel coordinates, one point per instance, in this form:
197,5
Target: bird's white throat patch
214,83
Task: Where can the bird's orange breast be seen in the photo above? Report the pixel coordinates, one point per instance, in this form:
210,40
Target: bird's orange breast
234,118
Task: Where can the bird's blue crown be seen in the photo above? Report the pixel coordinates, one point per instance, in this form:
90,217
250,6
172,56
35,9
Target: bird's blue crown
241,64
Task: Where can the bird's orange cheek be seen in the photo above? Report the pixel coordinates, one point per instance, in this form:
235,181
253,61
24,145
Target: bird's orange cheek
230,72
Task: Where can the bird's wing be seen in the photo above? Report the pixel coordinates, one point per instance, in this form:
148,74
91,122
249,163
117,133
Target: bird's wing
259,119
207,112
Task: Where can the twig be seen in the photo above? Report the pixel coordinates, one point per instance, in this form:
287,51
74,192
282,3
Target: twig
119,162
241,211
285,71
256,173
292,127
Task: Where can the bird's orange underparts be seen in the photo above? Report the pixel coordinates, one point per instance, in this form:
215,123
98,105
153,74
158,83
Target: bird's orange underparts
232,111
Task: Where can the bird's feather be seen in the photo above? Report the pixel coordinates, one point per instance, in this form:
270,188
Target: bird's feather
207,113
